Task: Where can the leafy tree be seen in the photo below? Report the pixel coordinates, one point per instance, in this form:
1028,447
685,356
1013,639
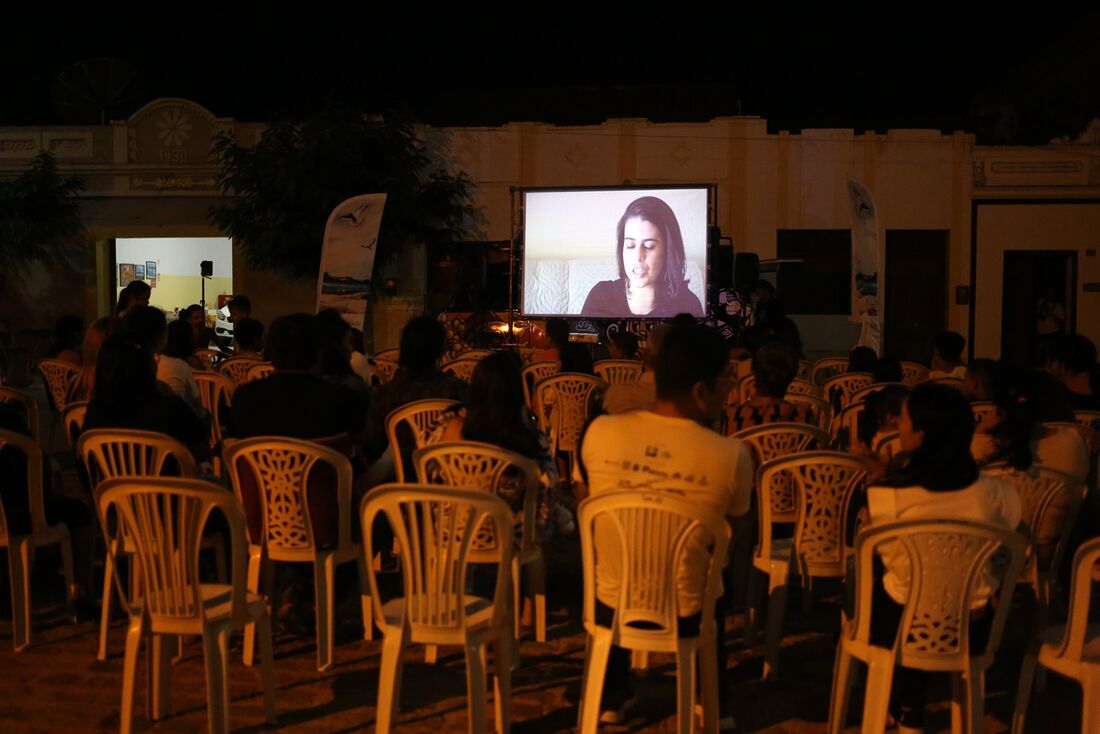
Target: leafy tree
287,185
39,217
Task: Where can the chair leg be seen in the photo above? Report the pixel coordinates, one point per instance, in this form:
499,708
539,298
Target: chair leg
267,665
536,585
1090,711
595,670
777,608
160,670
105,612
366,607
708,681
323,574
66,546
517,600
475,686
389,679
876,703
19,566
842,691
255,562
431,654
1023,690
755,606
502,682
639,660
129,673
974,690
215,646
685,686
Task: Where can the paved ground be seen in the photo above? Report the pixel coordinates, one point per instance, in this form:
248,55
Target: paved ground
58,686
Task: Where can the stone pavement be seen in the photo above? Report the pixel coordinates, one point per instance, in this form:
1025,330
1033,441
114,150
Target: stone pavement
58,686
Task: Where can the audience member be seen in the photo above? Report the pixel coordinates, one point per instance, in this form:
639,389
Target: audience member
80,389
624,345
201,334
334,335
248,335
67,333
774,367
947,350
668,449
940,481
641,394
879,420
862,359
240,309
1074,363
978,383
134,295
887,369
148,324
557,334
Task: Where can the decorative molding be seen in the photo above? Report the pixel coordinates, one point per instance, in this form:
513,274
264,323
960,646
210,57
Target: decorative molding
173,183
978,171
20,145
69,144
1032,173
576,156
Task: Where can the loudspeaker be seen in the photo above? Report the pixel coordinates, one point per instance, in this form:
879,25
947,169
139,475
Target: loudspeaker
206,268
746,271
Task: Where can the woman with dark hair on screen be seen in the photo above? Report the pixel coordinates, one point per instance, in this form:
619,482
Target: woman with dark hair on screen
650,253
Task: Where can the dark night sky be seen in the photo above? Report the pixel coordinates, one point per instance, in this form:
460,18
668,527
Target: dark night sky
950,70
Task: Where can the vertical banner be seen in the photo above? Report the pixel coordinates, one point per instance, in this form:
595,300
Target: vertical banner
347,256
867,306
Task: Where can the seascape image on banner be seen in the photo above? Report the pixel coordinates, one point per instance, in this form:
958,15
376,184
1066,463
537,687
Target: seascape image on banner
347,257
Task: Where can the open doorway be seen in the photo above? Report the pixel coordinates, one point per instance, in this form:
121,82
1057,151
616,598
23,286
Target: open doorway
916,292
1037,303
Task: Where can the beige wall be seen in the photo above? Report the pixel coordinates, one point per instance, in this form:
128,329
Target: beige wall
1037,226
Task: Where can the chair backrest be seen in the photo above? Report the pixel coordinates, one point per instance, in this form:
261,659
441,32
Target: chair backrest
845,428
30,407
840,388
1085,563
477,465
409,428
216,392
863,393
567,398
12,441
116,453
390,354
773,440
296,494
533,374
478,354
888,446
828,367
58,375
209,358
618,371
945,558
72,420
651,530
259,371
236,368
822,411
1049,500
434,529
913,372
1088,418
823,483
746,389
461,367
983,410
382,369
805,370
1088,435
804,387
162,520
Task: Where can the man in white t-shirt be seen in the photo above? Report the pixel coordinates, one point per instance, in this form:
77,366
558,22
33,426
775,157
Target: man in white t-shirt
671,448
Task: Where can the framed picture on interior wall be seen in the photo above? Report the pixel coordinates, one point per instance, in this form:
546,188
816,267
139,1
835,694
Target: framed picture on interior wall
139,272
150,270
125,274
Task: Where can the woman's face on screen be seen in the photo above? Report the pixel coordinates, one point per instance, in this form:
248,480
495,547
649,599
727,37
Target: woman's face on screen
643,253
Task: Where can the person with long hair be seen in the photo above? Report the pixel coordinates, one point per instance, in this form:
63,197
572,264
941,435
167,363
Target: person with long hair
80,389
650,253
496,413
66,339
334,335
126,396
940,481
136,293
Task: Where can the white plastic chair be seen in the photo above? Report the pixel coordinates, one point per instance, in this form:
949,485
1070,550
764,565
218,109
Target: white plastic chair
651,530
913,372
823,485
945,558
773,440
127,454
618,371
828,367
1049,500
822,411
461,367
58,375
1071,649
72,421
803,387
839,389
275,479
382,369
437,529
746,389
259,371
21,547
216,393
565,401
1088,418
390,354
417,420
30,408
236,368
163,519
887,447
983,411
845,428
475,465
805,370
863,393
532,375
209,358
